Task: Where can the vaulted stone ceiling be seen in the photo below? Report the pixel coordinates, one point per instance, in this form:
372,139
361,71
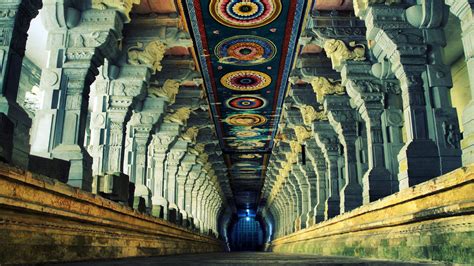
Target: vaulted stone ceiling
246,50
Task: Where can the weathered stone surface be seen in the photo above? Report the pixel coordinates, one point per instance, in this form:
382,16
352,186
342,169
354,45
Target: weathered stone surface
43,220
430,221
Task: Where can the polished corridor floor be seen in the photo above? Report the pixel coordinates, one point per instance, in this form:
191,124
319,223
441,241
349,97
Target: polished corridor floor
243,258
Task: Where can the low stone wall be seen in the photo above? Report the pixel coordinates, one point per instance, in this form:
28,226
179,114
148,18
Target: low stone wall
433,221
43,220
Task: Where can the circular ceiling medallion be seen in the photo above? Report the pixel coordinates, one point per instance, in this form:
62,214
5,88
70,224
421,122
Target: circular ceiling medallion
246,120
245,14
246,80
246,134
246,103
245,50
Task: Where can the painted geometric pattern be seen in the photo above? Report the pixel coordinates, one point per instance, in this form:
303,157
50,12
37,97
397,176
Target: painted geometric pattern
246,50
245,14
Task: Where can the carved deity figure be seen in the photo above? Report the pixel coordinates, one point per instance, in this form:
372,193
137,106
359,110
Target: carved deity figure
151,55
191,134
169,90
323,86
310,115
180,116
338,52
123,6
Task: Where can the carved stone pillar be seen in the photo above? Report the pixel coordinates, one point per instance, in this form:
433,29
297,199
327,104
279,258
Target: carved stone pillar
368,97
181,180
161,142
304,187
139,130
112,102
319,180
62,118
327,140
392,37
15,124
341,117
188,194
173,161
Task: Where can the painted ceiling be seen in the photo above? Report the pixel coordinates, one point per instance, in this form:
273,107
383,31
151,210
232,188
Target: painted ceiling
246,50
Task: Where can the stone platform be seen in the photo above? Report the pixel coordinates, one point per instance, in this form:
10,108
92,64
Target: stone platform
431,221
44,220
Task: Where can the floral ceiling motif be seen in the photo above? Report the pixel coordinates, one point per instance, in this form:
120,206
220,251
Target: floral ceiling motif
245,14
246,50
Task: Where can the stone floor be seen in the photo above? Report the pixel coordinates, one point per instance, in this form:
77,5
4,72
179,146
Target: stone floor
242,258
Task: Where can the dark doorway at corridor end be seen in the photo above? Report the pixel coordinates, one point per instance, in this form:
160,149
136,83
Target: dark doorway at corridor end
246,233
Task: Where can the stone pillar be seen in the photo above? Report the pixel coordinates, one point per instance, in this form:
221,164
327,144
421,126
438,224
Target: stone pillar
173,161
183,175
319,181
303,185
62,118
112,101
160,144
327,140
341,117
368,97
430,19
408,57
14,121
139,130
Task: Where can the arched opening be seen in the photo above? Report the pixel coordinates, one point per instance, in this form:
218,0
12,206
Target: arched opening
246,233
454,58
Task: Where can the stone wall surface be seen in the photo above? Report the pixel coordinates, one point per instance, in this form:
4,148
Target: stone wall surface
43,220
431,221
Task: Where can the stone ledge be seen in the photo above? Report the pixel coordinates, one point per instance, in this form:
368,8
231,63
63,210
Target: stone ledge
43,220
441,209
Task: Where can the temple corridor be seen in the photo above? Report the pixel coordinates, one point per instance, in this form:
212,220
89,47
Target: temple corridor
236,132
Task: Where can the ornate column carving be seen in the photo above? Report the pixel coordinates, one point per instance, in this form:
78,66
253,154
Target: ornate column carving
328,142
113,100
318,182
341,117
173,161
62,118
161,141
183,174
139,129
392,37
368,96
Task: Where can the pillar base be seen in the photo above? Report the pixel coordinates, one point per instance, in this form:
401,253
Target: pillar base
139,204
80,171
112,186
144,192
332,208
173,214
57,169
377,184
418,162
351,197
15,126
160,207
